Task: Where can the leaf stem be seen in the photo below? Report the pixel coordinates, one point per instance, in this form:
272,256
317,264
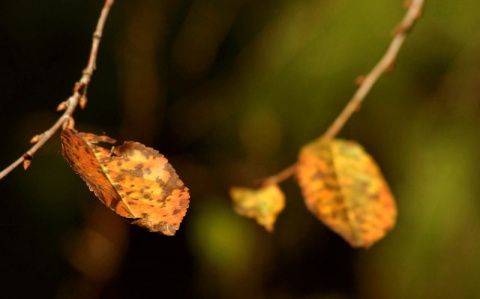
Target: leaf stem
383,65
79,91
279,177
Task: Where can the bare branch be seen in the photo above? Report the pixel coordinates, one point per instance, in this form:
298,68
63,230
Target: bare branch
385,64
79,91
365,83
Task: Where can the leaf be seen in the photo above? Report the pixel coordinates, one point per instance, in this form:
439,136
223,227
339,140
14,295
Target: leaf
343,186
135,181
263,204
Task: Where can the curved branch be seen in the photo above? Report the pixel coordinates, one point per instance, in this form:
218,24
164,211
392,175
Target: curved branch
383,65
78,97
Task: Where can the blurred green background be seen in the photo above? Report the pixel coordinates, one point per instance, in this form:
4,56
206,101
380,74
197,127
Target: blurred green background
229,90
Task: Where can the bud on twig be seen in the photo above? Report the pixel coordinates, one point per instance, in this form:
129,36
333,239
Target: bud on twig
83,101
27,161
407,4
390,67
68,123
62,106
36,138
359,80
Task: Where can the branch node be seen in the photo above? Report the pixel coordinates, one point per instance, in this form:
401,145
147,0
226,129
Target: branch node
359,80
88,72
80,87
69,123
390,67
66,121
401,29
385,64
359,107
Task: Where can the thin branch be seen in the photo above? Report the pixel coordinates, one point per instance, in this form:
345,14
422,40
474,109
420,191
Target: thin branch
79,95
279,177
385,64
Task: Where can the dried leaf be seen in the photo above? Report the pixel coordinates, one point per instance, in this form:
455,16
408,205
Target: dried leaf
343,186
135,181
263,204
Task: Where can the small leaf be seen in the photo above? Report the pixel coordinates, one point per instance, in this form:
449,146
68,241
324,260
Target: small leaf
343,186
133,180
263,204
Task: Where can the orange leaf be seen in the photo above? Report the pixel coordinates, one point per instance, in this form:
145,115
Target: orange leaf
343,186
135,181
263,204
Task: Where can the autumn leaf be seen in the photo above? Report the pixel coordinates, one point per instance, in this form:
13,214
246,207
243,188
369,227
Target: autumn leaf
343,186
263,204
135,181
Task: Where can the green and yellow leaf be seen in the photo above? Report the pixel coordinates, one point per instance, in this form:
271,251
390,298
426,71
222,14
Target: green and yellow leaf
343,186
263,204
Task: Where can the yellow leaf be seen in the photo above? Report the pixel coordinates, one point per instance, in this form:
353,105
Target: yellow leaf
263,204
135,181
343,186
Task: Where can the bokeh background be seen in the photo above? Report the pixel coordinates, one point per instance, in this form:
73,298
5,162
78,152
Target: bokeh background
229,91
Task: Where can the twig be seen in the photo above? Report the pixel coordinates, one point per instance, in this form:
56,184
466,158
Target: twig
367,82
79,96
385,64
279,177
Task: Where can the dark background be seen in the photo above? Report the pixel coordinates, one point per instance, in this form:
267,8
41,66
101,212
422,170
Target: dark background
229,91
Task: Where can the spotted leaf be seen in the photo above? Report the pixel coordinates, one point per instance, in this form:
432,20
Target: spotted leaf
263,204
135,181
343,186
